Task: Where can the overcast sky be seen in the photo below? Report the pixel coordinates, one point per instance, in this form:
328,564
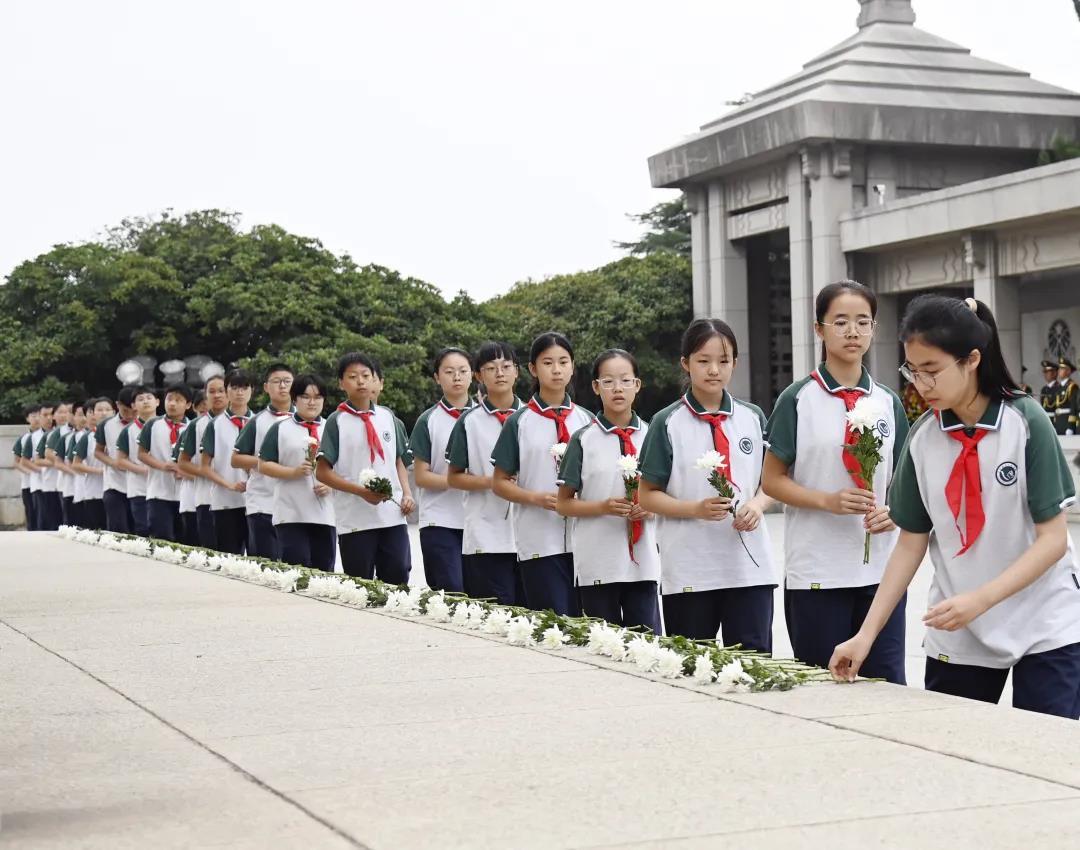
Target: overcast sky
472,143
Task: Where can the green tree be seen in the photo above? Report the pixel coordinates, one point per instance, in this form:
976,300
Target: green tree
1060,149
667,230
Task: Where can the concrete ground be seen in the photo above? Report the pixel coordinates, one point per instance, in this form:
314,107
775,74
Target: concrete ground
147,705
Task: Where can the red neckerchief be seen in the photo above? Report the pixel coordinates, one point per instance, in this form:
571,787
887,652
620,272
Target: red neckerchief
719,438
238,421
637,527
501,415
124,422
452,411
174,430
851,463
562,433
374,445
965,485
311,427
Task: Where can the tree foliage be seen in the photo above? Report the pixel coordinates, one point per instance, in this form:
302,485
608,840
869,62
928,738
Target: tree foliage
197,283
667,230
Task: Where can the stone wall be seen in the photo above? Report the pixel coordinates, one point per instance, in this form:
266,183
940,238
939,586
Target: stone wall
11,507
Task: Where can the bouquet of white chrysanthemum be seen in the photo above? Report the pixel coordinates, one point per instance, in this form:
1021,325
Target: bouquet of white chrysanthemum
379,484
557,452
717,465
631,476
863,419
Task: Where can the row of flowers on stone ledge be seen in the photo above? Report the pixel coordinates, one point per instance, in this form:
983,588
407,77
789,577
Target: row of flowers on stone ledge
674,657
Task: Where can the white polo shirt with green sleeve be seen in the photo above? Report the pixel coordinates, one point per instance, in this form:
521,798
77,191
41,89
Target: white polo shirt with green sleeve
524,449
601,544
288,442
489,519
695,554
1025,481
431,433
806,432
128,443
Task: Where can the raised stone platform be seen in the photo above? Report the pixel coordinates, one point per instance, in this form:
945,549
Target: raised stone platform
146,705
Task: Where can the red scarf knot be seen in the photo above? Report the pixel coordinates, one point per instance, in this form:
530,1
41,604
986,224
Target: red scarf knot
374,444
851,463
174,431
559,417
965,486
455,412
637,527
720,440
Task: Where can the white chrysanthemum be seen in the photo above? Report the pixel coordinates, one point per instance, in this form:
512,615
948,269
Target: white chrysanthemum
605,639
168,555
352,594
704,671
460,615
197,559
520,631
85,535
628,466
137,546
283,580
323,587
497,622
553,638
558,450
732,677
643,653
67,531
108,540
711,460
477,615
437,609
865,415
402,602
366,476
669,663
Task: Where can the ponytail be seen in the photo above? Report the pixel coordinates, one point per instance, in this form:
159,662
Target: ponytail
959,327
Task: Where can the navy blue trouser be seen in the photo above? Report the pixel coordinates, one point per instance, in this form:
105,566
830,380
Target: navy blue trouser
74,514
308,544
49,512
549,583
744,614
67,510
140,522
187,530
93,514
230,528
262,539
493,575
441,548
818,620
384,553
204,522
162,518
28,507
623,603
1046,682
116,512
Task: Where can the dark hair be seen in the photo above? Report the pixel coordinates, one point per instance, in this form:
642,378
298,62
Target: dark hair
542,343
126,395
198,398
238,378
77,405
951,325
67,402
101,398
51,405
611,354
214,378
141,389
358,357
833,291
31,408
278,367
302,382
700,331
180,389
443,353
492,350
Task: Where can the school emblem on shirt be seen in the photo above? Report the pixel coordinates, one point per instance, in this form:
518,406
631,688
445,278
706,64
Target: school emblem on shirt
882,427
1006,474
746,445
386,436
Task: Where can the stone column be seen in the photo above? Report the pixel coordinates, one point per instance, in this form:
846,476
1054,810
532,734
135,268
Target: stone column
1000,294
803,340
727,296
885,351
697,204
830,197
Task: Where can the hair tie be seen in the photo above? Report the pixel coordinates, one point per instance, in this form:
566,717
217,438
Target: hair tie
972,305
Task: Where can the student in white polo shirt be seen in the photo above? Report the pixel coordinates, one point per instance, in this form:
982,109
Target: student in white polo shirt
156,442
57,452
22,450
303,510
358,436
99,410
526,459
227,482
830,508
37,467
715,555
614,539
74,486
187,526
51,497
982,483
106,437
489,552
442,509
127,446
259,496
191,460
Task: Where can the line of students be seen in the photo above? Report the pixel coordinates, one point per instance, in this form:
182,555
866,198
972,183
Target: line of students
526,502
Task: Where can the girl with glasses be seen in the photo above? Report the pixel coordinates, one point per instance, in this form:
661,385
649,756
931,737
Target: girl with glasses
982,484
830,508
716,561
614,541
442,510
303,513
